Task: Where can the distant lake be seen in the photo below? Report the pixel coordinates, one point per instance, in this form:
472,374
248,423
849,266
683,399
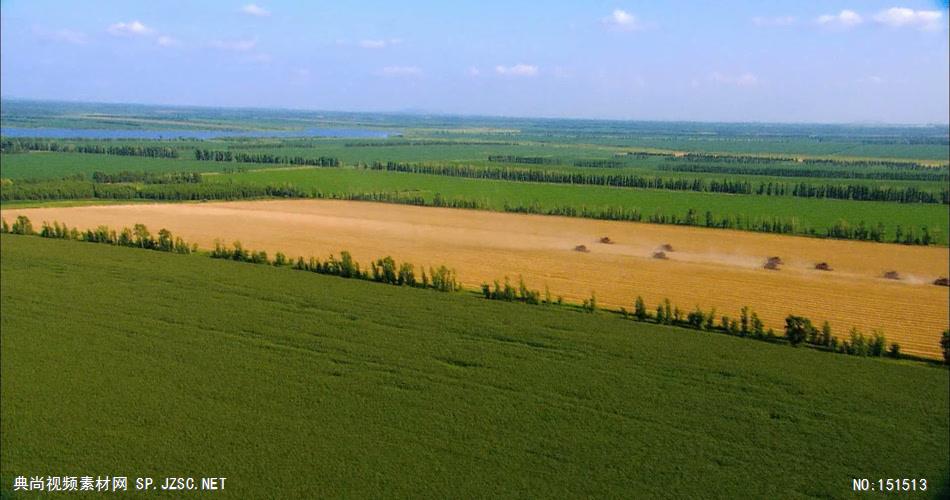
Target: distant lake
90,133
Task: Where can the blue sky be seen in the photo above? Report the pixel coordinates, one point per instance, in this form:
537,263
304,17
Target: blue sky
778,61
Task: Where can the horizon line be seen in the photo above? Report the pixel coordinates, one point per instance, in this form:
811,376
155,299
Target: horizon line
422,113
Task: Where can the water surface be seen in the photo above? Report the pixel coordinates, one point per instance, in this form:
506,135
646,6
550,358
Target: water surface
81,133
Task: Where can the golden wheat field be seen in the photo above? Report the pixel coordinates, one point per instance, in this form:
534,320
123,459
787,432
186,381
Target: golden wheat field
706,268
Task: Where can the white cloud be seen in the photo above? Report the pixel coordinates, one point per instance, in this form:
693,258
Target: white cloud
62,35
517,70
130,28
400,71
774,21
900,17
844,19
255,10
743,80
473,71
622,20
235,45
379,44
167,41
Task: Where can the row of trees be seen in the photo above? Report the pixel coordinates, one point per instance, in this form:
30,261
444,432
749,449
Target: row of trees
746,159
146,177
930,174
843,231
242,157
529,160
137,236
600,163
384,270
798,329
18,145
909,194
522,293
857,192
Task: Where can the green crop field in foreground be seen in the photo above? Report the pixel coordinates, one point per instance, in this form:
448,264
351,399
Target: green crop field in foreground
810,213
127,362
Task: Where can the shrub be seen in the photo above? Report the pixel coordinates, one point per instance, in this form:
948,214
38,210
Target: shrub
894,351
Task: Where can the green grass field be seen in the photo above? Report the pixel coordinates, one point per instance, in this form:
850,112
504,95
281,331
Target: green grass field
119,361
814,213
45,165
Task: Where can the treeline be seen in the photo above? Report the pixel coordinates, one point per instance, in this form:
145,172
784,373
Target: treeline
16,145
530,160
928,174
600,163
267,158
384,270
729,158
798,329
727,186
909,194
137,236
146,177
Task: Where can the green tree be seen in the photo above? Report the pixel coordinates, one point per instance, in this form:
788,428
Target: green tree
165,241
640,309
744,321
142,238
22,225
758,328
826,334
797,329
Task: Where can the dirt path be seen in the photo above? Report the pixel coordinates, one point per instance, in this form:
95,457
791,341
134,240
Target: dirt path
709,268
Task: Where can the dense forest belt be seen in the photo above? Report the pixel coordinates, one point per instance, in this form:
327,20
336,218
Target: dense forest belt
241,157
928,174
855,192
24,145
484,246
528,160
